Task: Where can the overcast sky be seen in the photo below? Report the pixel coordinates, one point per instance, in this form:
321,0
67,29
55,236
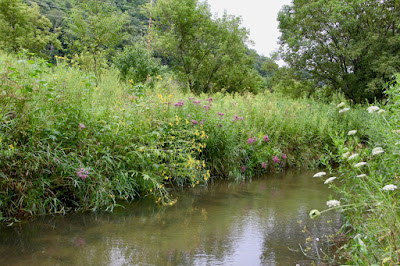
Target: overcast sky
259,16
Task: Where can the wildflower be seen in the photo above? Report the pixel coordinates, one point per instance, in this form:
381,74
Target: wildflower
390,187
266,138
362,175
340,105
353,156
358,165
319,174
377,150
345,155
344,110
330,179
178,104
209,99
197,102
194,122
251,140
82,173
333,203
244,168
206,107
81,126
236,118
275,159
372,109
191,98
352,132
381,112
202,122
220,114
314,214
264,165
284,156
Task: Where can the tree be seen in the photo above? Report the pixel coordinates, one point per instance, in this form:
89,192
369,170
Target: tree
351,45
209,55
23,27
95,28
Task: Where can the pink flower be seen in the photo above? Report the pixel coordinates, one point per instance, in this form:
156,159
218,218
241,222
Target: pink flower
206,107
251,140
194,122
236,118
284,156
209,99
244,168
196,102
81,126
276,159
202,122
221,114
264,165
266,138
83,173
178,104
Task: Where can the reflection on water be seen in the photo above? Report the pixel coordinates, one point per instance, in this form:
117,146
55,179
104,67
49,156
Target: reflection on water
257,222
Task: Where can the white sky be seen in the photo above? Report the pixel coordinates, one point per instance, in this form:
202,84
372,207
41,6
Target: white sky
259,16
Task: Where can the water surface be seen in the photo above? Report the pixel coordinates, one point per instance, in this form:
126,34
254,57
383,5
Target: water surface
255,222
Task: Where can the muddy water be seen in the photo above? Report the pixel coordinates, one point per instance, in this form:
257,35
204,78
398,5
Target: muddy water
257,222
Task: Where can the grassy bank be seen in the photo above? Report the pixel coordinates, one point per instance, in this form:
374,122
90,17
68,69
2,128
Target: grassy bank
71,142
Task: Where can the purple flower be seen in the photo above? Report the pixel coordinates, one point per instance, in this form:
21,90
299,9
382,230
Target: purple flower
191,98
197,102
206,107
276,159
82,173
178,104
209,99
244,168
251,140
284,156
81,126
264,165
266,138
194,122
202,122
221,114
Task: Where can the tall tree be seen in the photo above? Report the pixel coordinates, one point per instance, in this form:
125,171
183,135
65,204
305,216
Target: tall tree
351,45
23,27
210,55
95,28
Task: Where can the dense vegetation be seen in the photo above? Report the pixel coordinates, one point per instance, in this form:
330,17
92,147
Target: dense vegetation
96,110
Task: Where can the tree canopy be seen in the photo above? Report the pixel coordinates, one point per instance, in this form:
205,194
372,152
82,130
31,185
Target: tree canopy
351,45
209,54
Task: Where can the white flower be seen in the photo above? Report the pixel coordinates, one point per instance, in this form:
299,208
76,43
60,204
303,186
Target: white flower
381,112
319,174
344,110
362,175
360,164
330,179
355,155
390,187
372,109
332,203
377,150
352,132
340,105
346,155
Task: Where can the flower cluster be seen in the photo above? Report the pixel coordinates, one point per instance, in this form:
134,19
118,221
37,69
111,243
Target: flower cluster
82,173
236,118
178,104
251,140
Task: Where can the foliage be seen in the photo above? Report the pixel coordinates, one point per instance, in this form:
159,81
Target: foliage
209,55
136,63
350,45
71,142
23,27
95,28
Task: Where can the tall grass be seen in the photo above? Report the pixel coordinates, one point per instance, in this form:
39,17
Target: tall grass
71,142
